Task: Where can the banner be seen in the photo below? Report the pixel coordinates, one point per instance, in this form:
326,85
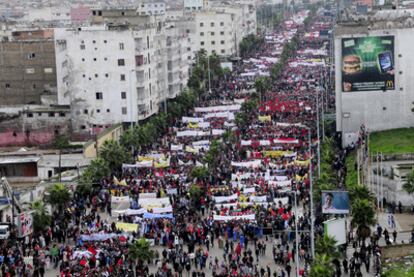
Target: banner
335,202
119,199
221,199
172,191
148,195
178,147
201,142
283,200
167,209
127,227
25,224
154,202
260,199
254,164
236,217
368,63
265,118
192,119
222,108
157,216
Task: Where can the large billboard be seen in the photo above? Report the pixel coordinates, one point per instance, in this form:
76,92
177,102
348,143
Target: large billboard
368,63
335,202
336,228
25,224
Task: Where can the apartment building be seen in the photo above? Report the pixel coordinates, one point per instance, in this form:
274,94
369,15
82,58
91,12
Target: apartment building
27,67
111,72
150,7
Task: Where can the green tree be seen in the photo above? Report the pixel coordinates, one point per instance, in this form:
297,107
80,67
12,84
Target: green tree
326,245
195,192
114,154
200,172
363,216
360,192
262,85
94,173
322,266
140,252
60,143
408,186
41,217
59,195
212,157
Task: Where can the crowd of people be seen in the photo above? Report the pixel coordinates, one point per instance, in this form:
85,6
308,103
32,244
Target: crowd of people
240,219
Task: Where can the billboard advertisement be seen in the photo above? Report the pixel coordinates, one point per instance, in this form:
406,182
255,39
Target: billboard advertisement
336,228
335,202
368,63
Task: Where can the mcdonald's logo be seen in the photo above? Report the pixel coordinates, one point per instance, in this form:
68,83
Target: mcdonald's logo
389,84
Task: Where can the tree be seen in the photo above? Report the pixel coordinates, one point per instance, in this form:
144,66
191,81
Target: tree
326,245
59,195
212,157
363,216
262,85
95,172
199,172
41,217
60,143
114,154
140,252
408,186
322,266
360,192
195,193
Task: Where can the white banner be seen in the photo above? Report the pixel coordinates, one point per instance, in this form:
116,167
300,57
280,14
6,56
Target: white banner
283,200
148,195
221,199
167,209
172,191
254,164
236,217
119,199
217,132
192,133
221,108
259,199
249,190
178,147
201,142
192,119
154,202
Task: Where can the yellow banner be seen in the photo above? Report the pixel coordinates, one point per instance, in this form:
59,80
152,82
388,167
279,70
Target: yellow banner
265,118
127,227
302,163
276,153
162,164
144,158
190,149
193,125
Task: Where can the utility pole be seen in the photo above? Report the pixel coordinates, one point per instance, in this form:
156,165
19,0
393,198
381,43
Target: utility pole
311,196
296,236
319,136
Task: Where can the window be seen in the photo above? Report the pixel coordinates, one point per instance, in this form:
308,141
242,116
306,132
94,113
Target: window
82,46
201,24
202,34
99,96
48,70
96,75
188,31
202,43
213,42
94,59
106,75
34,86
121,46
212,24
31,56
123,95
83,59
212,33
222,42
98,110
124,110
39,114
51,114
83,127
30,70
108,110
85,111
221,23
93,41
121,62
188,48
223,51
29,115
83,75
222,33
105,41
105,59
62,114
7,85
122,77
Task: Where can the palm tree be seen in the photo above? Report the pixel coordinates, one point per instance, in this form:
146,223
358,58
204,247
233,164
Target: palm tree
363,216
408,186
326,245
262,85
41,217
59,195
140,252
360,192
322,266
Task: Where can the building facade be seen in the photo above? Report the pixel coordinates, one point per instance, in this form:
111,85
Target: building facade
374,79
27,67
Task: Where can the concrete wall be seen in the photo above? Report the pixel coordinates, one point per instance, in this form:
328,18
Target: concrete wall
398,250
378,110
114,133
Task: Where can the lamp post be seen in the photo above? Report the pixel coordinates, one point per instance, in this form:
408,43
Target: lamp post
296,235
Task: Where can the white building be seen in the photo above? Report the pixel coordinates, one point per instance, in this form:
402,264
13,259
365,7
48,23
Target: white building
149,7
194,5
111,73
383,99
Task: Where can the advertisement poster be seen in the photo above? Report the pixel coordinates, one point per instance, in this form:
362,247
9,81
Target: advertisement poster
335,202
368,63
